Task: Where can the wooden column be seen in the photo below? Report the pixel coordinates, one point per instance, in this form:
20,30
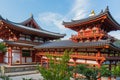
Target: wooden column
47,63
20,55
41,61
75,74
110,65
10,55
99,62
35,58
109,78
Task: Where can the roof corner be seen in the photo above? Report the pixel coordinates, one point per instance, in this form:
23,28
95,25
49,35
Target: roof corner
107,9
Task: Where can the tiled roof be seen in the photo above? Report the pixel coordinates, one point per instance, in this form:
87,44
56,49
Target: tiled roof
32,31
71,44
12,43
36,31
66,44
95,17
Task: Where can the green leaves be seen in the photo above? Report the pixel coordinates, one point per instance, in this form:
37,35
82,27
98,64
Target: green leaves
116,70
5,78
57,71
2,47
91,73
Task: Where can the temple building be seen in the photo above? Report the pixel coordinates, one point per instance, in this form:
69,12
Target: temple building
91,45
21,38
28,43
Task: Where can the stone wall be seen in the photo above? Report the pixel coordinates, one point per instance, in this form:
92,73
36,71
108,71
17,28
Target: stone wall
12,69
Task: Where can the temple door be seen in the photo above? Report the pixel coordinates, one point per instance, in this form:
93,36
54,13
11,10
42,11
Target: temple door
1,57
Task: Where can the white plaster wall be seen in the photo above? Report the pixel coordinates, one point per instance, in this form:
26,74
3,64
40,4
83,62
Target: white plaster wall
28,59
6,57
91,62
71,60
88,61
82,61
5,60
23,60
15,56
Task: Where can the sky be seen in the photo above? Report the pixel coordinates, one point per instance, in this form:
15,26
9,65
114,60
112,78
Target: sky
50,14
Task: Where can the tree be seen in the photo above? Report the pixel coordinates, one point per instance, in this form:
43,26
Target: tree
5,78
59,71
2,48
116,71
91,73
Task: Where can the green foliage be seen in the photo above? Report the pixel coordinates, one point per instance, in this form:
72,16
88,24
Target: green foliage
60,71
105,72
117,43
116,71
91,73
2,47
5,78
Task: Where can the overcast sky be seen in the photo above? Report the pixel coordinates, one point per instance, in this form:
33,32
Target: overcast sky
50,14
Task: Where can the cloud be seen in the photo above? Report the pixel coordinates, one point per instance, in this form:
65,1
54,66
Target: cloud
52,19
116,34
77,11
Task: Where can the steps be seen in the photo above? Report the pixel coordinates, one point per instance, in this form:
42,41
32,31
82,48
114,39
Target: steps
19,70
20,73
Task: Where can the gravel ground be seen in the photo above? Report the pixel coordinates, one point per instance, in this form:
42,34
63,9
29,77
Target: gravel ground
39,77
33,76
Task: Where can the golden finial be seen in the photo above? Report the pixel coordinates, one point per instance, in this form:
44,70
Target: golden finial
92,13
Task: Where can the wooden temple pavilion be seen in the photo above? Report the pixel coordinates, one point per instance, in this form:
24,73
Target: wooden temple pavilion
20,39
91,45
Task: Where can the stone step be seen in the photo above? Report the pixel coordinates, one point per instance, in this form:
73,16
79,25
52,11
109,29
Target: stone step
21,73
18,70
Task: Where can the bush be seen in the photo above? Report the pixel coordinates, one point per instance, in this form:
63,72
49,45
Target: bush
60,71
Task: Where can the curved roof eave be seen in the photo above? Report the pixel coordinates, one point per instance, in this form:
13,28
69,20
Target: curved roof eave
34,31
106,12
83,20
113,20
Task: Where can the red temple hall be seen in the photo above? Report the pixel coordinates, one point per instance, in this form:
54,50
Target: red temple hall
28,43
21,38
91,45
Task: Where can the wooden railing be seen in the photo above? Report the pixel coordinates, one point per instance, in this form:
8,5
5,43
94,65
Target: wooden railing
113,58
87,36
76,56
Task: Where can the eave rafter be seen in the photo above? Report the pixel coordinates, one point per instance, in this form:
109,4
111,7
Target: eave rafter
90,22
6,33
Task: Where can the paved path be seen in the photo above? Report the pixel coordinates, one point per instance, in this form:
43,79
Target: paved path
39,77
33,76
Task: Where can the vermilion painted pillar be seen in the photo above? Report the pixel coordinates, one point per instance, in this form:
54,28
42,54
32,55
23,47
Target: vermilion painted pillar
99,63
75,74
10,55
20,55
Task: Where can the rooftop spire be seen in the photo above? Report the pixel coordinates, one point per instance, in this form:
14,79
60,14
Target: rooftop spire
107,8
101,11
1,17
92,13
